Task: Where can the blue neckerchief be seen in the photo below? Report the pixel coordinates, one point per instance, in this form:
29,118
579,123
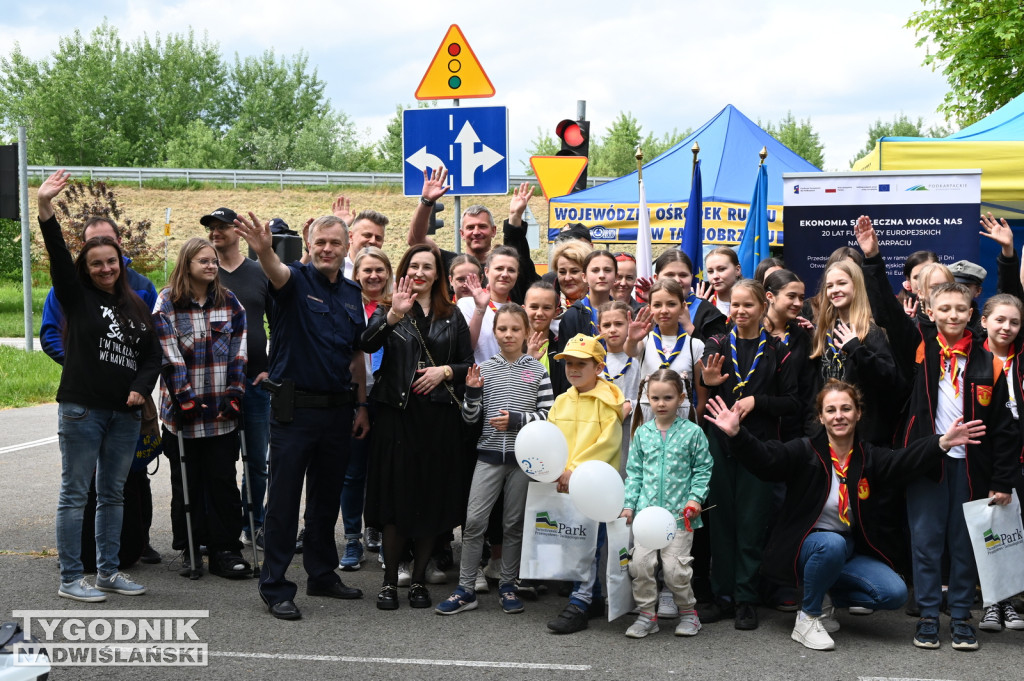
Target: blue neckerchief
666,360
629,363
694,303
740,385
593,315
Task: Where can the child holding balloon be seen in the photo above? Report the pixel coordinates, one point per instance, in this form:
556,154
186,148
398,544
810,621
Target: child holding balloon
510,390
590,416
669,467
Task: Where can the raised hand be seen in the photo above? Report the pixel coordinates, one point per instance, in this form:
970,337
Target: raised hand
535,342
867,238
999,231
403,297
960,433
712,371
520,199
702,289
910,307
643,287
726,419
473,377
640,325
342,208
481,296
435,183
255,233
842,335
50,187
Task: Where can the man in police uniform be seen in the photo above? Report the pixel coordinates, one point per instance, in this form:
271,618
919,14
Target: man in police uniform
318,382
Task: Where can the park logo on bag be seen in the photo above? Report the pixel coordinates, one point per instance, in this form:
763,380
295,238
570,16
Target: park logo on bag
543,524
997,542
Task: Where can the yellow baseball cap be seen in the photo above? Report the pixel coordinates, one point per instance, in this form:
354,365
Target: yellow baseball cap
584,347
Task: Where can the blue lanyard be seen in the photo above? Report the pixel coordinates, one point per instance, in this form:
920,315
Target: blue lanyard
666,361
740,385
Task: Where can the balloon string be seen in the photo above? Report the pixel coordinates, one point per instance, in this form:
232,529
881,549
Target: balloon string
687,516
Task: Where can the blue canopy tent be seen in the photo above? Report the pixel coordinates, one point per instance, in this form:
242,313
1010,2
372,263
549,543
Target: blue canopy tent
729,145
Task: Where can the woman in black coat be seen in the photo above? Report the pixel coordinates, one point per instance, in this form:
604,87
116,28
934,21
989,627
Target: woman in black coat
415,486
834,535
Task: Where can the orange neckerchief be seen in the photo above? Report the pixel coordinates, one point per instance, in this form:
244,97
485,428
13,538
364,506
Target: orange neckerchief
948,354
1001,364
844,493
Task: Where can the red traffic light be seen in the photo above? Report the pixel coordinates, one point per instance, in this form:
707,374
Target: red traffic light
570,132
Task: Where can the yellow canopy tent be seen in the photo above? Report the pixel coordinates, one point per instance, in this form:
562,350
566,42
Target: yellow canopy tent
995,144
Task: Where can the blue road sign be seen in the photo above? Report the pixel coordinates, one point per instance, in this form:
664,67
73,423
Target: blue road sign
471,142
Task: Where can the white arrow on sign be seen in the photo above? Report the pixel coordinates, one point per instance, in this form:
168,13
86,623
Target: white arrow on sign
471,160
423,159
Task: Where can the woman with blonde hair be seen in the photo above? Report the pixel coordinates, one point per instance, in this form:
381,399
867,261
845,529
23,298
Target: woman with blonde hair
848,346
568,265
202,332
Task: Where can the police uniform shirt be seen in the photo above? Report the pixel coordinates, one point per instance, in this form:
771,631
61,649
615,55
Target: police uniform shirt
315,330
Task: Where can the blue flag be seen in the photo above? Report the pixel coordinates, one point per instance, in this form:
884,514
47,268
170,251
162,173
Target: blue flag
753,246
693,230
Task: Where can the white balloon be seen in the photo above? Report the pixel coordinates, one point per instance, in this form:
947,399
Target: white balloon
597,491
654,528
542,451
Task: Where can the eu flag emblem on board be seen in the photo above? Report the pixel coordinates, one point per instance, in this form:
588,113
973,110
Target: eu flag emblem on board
883,187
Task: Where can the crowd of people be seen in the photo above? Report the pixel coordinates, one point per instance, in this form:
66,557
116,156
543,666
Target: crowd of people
816,450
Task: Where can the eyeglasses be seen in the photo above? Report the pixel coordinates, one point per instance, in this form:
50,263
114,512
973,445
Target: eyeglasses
218,225
207,262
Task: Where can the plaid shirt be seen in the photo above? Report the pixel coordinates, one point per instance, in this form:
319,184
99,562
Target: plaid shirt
204,360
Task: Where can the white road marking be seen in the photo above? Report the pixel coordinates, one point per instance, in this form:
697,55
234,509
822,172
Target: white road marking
408,661
894,678
28,445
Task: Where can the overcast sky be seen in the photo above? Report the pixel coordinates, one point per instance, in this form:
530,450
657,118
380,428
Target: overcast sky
672,64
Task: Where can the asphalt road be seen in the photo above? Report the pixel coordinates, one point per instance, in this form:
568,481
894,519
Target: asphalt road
352,639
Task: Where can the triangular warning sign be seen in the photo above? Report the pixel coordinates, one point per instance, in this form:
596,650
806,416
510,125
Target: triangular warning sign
557,174
455,72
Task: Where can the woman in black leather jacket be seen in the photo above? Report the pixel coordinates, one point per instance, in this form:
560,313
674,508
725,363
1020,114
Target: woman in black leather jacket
415,485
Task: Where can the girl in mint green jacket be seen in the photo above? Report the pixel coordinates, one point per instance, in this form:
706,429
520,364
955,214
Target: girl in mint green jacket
669,466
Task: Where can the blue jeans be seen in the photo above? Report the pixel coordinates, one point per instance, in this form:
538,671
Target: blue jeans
584,593
353,493
100,441
256,411
829,565
936,516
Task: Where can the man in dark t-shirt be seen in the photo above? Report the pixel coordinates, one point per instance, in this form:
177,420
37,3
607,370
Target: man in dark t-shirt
245,278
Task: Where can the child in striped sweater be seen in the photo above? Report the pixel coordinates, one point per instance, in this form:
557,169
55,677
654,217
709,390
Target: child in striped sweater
510,389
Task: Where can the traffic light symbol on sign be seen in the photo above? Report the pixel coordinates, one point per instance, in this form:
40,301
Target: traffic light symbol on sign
435,223
575,137
455,72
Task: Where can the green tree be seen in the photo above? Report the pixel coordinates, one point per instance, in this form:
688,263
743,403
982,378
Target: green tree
389,147
799,136
980,50
198,146
654,147
542,145
615,154
900,126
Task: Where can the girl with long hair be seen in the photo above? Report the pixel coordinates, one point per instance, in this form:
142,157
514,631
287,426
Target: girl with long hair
707,320
202,331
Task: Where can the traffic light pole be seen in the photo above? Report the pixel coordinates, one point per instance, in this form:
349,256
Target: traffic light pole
457,219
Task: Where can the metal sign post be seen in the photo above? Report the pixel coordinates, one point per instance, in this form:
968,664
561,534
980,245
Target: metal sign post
26,235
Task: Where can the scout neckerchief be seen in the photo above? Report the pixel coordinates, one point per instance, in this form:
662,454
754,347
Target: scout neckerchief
665,361
592,313
1001,364
949,354
844,492
740,385
490,303
694,303
832,355
629,363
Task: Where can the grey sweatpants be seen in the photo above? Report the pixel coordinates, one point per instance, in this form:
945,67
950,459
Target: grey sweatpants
488,481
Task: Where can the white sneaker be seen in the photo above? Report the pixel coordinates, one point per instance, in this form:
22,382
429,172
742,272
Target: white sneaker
667,609
689,623
434,575
481,586
404,575
828,615
644,625
493,569
809,632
